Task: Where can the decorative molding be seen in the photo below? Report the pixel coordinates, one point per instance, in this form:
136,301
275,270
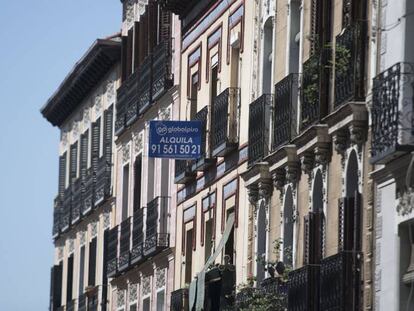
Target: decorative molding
129,13
110,92
133,292
126,153
138,141
293,172
94,229
358,133
279,178
120,298
406,202
82,238
86,117
160,278
106,220
71,246
265,189
340,139
165,114
146,285
98,103
322,154
308,162
60,252
64,138
75,129
253,194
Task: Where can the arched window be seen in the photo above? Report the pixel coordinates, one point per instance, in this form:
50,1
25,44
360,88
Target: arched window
288,228
352,176
261,242
267,56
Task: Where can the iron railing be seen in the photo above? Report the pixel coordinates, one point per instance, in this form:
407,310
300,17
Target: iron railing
161,69
179,300
57,217
66,209
392,113
259,122
285,111
137,250
225,122
310,109
124,245
339,282
76,200
145,84
156,234
112,267
82,302
350,64
89,191
303,289
70,305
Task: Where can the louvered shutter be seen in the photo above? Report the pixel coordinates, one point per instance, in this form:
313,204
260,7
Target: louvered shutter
137,183
130,46
108,123
125,236
57,286
92,262
96,138
136,46
357,221
73,161
105,268
165,26
82,270
138,225
113,244
69,279
84,145
124,56
153,26
62,174
143,37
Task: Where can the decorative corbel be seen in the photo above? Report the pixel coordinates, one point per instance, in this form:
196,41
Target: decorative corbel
265,189
308,162
322,154
253,194
279,178
293,172
358,133
340,139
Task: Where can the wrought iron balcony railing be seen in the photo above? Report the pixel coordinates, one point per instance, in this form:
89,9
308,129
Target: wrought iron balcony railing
121,109
66,209
89,191
259,123
112,267
183,171
103,181
350,64
131,98
76,200
124,245
70,305
339,282
57,217
303,289
82,302
156,234
225,122
205,160
179,300
145,84
161,69
137,251
285,111
310,110
392,113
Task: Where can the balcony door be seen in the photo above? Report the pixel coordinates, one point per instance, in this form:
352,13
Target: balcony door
261,243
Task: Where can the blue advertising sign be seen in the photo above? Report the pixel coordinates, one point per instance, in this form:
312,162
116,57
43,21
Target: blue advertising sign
175,139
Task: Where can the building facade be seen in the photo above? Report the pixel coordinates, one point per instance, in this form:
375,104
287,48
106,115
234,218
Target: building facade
83,108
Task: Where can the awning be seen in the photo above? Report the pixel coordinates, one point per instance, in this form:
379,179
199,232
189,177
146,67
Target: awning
196,292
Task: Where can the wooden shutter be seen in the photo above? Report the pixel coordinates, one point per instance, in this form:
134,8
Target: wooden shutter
92,262
56,286
108,123
138,225
69,279
84,146
136,46
125,236
73,161
62,174
137,182
113,244
130,47
124,57
153,26
82,270
165,26
143,37
96,138
105,268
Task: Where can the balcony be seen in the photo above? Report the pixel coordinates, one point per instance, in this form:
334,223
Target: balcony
285,112
145,84
66,209
303,289
350,64
57,217
310,110
137,250
124,245
127,106
259,123
112,266
205,160
392,113
339,282
76,200
103,181
225,122
184,172
82,302
179,300
161,70
121,110
157,237
89,191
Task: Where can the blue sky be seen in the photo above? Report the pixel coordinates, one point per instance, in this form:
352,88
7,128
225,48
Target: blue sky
40,40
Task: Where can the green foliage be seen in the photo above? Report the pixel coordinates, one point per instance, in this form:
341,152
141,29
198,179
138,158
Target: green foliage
342,59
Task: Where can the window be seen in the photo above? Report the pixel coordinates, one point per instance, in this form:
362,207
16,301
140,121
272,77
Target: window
288,228
69,279
160,300
146,305
267,57
96,142
81,270
208,244
188,255
92,262
137,182
229,247
62,174
294,36
214,82
125,192
84,153
261,243
133,307
193,95
73,165
235,67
